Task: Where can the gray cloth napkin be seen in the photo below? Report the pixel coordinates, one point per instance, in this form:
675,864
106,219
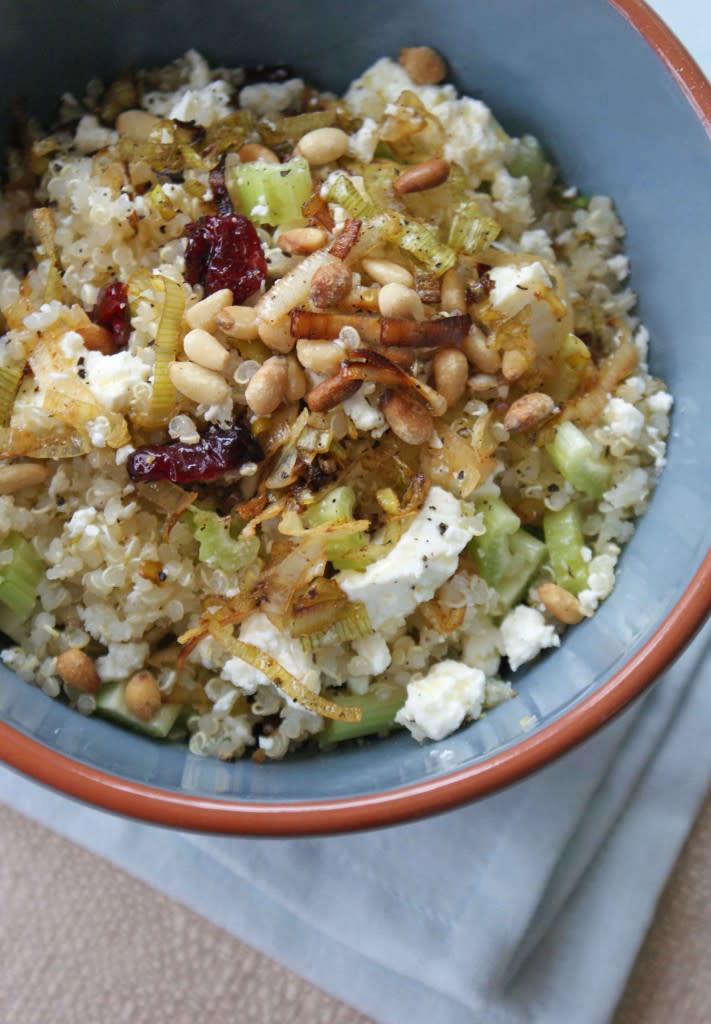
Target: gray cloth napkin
527,906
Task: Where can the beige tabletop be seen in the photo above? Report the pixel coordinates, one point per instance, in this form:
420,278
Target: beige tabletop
81,942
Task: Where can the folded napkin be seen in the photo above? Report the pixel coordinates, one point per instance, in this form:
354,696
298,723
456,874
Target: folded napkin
527,906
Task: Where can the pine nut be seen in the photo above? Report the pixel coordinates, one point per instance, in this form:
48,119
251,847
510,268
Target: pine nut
322,357
198,384
451,369
238,322
302,241
205,350
330,393
276,334
561,603
480,383
428,174
423,64
252,151
454,296
395,300
330,285
387,272
296,380
142,695
407,419
478,352
98,339
78,670
513,365
323,145
529,412
19,475
203,313
136,124
268,387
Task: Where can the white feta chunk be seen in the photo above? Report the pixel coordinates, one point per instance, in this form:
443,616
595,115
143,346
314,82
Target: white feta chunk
439,702
259,631
122,661
524,634
111,379
623,419
270,99
518,287
91,135
419,563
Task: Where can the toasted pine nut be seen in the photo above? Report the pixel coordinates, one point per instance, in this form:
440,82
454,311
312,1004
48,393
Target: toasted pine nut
323,357
205,350
98,339
302,241
479,354
387,272
451,369
276,334
482,382
513,365
136,124
330,393
19,475
268,387
398,301
423,64
561,603
203,313
142,695
238,322
78,670
252,151
330,285
422,176
198,384
296,380
407,419
323,145
529,412
454,296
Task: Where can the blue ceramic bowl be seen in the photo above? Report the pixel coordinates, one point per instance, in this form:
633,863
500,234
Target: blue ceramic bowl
621,119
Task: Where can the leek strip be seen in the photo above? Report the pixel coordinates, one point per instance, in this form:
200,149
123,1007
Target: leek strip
378,708
283,679
10,379
342,191
351,623
164,397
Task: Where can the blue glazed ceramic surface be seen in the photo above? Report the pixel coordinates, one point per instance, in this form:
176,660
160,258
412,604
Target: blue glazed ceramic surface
582,79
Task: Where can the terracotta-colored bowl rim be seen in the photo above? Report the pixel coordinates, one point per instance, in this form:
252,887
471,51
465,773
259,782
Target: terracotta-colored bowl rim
180,810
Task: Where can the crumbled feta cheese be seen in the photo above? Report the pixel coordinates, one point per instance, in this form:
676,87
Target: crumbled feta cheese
623,419
439,702
524,634
374,652
364,416
362,144
111,379
71,346
99,430
91,135
122,661
260,632
204,105
660,401
515,288
270,99
601,580
424,557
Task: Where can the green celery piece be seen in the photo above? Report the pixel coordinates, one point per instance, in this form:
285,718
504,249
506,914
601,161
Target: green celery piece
217,546
13,626
111,703
378,709
20,578
529,160
337,505
491,551
574,457
563,534
270,193
527,554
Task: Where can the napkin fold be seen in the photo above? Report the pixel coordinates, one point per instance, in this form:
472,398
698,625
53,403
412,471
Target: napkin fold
528,906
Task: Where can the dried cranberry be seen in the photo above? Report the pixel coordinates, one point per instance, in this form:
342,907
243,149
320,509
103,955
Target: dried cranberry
111,311
225,252
217,452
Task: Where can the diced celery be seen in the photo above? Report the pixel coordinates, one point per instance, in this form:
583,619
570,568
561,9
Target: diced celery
217,546
378,709
529,160
471,230
111,703
337,505
574,457
13,626
563,533
270,193
527,554
507,555
20,578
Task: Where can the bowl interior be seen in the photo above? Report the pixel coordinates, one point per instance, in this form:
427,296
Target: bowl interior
583,80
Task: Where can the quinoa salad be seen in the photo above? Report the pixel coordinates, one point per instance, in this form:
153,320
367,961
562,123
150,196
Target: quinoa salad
319,416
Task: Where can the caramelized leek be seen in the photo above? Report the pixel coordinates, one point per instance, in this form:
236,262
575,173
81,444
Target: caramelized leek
421,241
471,231
341,190
164,397
10,378
351,623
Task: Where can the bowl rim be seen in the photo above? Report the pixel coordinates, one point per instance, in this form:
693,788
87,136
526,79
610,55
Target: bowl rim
405,803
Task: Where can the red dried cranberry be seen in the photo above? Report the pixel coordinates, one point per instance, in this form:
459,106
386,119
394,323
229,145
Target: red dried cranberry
216,453
225,252
111,311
